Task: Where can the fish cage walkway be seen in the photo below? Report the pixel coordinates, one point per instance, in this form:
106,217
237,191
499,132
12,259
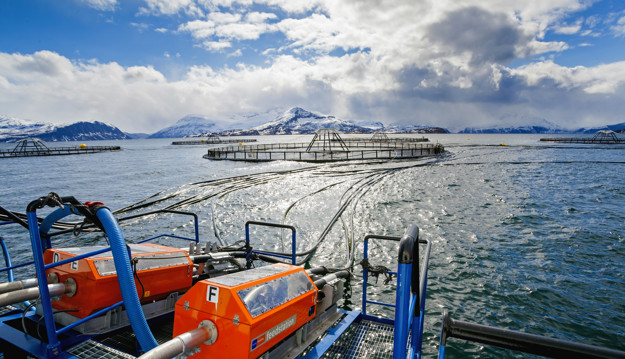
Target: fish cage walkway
211,141
601,137
34,147
356,150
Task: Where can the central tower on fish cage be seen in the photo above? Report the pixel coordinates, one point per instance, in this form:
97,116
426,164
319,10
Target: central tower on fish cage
30,145
380,136
327,139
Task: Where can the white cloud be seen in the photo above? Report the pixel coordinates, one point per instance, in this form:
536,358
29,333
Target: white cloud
104,5
437,62
619,27
171,7
216,45
569,29
260,17
199,29
602,79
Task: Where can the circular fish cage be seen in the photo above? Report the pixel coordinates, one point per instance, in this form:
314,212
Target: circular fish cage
601,137
30,147
382,136
326,146
211,139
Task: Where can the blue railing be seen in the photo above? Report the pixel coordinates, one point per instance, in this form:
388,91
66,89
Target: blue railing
410,293
13,219
196,237
249,250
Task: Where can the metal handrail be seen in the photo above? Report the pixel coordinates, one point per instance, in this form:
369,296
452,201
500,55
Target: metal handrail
519,341
274,254
410,293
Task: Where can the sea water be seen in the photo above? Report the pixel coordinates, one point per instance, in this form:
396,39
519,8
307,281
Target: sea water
525,235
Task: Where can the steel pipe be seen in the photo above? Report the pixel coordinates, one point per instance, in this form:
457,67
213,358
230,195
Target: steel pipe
185,342
21,295
18,285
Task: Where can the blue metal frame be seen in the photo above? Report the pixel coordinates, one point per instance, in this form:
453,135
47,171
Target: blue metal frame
409,318
333,334
40,241
410,299
365,272
196,238
7,259
53,349
293,256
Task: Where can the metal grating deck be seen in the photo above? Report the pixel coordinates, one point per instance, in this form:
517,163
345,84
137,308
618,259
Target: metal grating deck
365,340
125,340
93,349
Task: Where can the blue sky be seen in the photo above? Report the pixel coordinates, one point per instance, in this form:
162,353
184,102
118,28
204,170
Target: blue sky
143,64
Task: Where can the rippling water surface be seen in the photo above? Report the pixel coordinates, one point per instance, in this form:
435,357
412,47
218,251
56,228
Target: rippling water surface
527,236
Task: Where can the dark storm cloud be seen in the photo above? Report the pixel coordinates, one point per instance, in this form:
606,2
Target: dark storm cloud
488,37
439,84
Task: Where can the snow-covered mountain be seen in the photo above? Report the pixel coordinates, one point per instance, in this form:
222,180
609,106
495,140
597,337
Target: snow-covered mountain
297,121
619,127
415,129
84,131
518,123
520,129
186,126
12,129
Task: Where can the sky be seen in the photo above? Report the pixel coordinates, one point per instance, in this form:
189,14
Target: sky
141,65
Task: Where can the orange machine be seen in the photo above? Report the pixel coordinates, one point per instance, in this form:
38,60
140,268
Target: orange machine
252,310
161,270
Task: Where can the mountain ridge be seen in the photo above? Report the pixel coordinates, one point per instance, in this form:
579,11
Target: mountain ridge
12,129
295,120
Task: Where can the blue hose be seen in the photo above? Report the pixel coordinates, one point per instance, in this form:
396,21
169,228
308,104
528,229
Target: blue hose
51,219
126,280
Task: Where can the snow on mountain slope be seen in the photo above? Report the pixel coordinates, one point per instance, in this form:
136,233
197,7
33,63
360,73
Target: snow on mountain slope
13,128
186,126
299,121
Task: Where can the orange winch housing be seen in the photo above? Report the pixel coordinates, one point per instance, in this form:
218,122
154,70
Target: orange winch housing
253,310
161,269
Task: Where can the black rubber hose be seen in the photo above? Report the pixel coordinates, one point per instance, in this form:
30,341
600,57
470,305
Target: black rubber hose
321,282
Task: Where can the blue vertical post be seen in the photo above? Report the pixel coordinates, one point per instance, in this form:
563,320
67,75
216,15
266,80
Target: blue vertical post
7,259
403,315
402,310
293,249
44,293
365,275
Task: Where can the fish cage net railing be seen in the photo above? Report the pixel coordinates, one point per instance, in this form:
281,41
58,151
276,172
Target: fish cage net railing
387,140
54,151
295,152
601,137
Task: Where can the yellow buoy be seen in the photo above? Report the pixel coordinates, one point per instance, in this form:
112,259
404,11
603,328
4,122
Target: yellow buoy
202,140
469,139
502,144
83,145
